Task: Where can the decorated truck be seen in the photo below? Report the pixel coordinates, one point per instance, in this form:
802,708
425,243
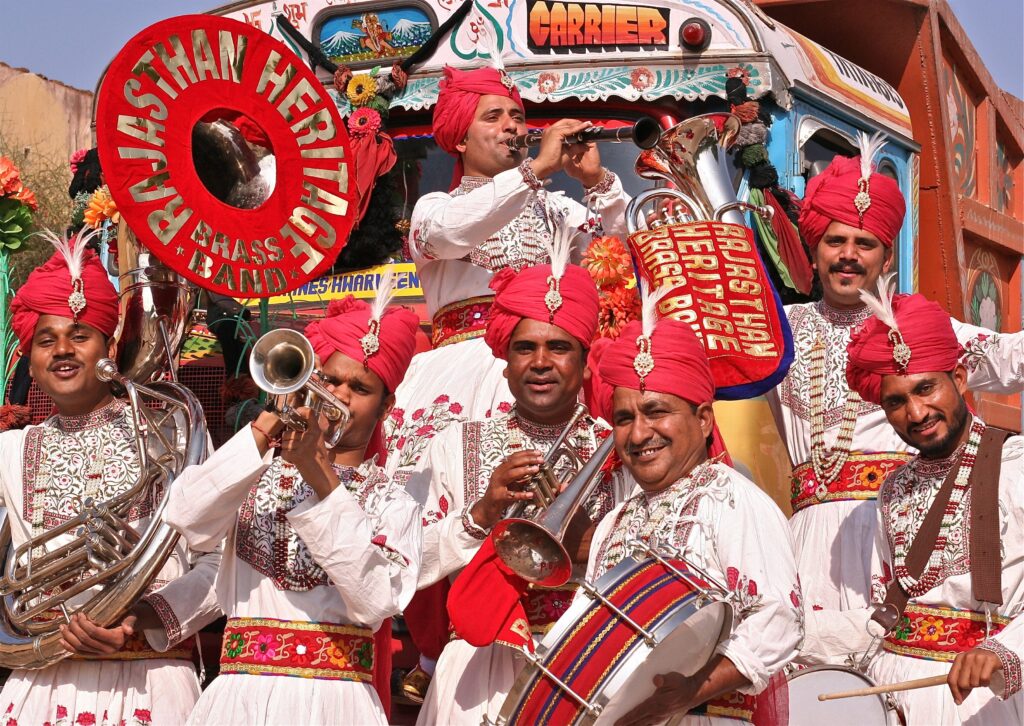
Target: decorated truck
611,62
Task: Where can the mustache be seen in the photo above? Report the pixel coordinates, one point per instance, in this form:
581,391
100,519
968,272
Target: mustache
927,422
651,443
854,267
64,361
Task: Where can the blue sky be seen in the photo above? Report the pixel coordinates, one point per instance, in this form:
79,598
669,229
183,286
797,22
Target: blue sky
73,40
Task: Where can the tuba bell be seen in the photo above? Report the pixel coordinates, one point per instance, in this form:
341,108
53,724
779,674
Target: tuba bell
692,156
107,564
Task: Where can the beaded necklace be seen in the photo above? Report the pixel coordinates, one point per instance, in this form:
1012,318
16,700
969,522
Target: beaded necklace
915,587
828,463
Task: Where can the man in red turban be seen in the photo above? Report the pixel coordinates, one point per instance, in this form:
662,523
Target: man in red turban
950,529
64,316
921,339
695,504
542,323
850,217
325,547
496,217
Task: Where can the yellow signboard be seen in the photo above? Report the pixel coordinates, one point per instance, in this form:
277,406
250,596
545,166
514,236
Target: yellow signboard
360,284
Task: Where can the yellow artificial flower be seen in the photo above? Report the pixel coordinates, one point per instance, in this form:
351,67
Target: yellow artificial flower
362,89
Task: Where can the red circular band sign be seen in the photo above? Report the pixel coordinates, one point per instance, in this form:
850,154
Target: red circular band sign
182,71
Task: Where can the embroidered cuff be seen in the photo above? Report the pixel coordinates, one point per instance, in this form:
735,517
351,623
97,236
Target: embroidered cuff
166,614
602,187
473,529
531,180
1010,662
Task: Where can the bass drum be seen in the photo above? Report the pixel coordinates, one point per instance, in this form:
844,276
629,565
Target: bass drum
600,655
806,710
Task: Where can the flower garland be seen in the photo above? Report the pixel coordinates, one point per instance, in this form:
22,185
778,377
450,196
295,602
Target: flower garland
379,234
611,267
916,587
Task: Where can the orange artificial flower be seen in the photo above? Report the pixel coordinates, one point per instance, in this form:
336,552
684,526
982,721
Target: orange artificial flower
10,177
27,197
608,262
619,306
101,208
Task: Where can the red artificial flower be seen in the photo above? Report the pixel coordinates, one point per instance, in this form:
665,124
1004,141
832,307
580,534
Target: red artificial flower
364,121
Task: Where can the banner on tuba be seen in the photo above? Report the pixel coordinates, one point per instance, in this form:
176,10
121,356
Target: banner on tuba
226,156
719,286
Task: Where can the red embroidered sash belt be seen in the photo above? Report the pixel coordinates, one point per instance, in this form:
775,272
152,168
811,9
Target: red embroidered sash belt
267,647
734,705
861,477
136,647
939,633
462,320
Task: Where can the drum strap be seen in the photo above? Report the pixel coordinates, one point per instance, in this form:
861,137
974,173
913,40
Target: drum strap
986,575
986,562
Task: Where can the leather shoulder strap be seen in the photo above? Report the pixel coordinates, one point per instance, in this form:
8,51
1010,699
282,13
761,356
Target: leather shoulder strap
924,541
986,562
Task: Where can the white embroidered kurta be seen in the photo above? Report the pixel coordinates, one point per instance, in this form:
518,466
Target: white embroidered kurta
905,500
470,682
830,537
458,241
46,472
722,522
350,559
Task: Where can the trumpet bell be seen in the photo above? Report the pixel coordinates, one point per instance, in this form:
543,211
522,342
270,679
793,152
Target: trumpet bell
532,552
281,362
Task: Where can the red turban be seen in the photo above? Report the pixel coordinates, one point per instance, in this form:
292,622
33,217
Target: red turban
47,289
924,327
459,94
522,295
680,366
830,196
348,320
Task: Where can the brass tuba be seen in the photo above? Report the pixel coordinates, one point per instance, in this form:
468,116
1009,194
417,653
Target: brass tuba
692,156
108,564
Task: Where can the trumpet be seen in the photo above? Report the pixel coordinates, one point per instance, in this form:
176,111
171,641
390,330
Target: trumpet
545,484
282,363
535,549
644,133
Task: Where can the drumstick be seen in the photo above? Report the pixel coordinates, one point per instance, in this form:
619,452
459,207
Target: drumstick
997,685
886,688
